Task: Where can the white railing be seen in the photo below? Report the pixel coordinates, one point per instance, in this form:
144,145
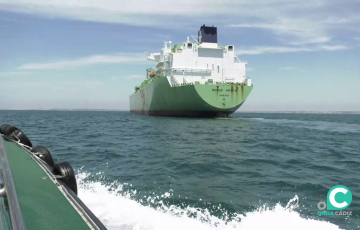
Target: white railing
187,70
173,79
237,59
194,37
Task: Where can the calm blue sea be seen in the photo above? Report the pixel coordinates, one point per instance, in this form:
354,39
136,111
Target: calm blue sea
250,171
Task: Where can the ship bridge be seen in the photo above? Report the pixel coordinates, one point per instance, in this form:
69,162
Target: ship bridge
201,61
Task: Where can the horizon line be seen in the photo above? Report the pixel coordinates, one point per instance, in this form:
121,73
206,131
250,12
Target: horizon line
250,111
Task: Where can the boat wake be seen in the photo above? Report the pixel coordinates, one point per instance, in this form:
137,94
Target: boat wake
118,210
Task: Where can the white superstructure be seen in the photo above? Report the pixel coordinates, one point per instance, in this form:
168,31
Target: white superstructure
202,61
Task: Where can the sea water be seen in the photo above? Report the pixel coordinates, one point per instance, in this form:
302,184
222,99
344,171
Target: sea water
250,171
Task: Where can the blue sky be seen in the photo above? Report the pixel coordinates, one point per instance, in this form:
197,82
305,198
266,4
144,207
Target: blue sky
302,55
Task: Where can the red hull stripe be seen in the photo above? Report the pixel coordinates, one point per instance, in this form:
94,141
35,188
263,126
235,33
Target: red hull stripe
182,113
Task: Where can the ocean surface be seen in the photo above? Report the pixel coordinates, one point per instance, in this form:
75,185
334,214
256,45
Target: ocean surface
250,171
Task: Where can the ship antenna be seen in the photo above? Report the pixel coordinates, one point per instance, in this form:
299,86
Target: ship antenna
194,37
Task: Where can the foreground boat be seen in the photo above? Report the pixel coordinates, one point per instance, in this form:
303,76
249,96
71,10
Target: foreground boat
200,79
36,193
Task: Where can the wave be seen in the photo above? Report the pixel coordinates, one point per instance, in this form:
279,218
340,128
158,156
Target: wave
119,210
316,125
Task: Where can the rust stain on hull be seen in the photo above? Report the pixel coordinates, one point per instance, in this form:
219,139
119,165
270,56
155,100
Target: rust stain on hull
237,93
217,90
242,91
232,92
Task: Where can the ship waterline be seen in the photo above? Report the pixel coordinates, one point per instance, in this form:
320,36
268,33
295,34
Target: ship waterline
159,98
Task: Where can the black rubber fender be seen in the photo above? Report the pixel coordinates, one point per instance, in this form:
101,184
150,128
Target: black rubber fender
44,154
18,135
7,129
64,169
2,128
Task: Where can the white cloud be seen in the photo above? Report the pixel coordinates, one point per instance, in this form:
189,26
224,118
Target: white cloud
74,85
333,48
139,12
135,12
9,74
301,30
295,22
92,60
136,77
290,68
299,33
286,49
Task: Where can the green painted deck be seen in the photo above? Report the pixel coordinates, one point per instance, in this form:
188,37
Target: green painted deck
42,204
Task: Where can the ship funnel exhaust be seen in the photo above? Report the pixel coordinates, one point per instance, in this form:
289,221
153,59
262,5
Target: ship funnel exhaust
207,34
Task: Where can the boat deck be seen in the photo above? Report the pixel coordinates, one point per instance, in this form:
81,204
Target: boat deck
42,204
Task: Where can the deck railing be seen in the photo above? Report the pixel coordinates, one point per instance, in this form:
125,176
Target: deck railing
187,70
8,190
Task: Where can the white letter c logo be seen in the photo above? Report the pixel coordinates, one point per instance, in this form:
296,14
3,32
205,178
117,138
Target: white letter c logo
332,197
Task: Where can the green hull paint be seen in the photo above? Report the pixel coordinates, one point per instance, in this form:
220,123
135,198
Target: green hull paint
157,97
42,204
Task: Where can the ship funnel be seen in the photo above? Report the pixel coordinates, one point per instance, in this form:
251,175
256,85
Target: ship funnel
207,34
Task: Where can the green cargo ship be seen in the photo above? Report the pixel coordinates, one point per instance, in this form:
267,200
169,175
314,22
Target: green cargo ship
194,79
35,192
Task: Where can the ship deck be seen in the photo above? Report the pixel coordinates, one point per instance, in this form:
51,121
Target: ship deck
42,204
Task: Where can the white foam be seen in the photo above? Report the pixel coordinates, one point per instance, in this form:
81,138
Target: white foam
254,118
122,212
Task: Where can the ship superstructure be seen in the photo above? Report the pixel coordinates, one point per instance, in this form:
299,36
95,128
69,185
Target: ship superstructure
212,74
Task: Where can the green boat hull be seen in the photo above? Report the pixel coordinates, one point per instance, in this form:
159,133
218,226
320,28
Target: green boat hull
158,98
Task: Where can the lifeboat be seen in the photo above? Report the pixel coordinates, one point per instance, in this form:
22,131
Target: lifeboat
152,74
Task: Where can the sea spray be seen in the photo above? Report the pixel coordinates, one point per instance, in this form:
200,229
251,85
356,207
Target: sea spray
118,209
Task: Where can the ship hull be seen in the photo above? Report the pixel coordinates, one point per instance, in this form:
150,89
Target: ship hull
158,98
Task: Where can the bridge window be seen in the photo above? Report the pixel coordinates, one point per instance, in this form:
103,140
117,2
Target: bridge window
218,69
